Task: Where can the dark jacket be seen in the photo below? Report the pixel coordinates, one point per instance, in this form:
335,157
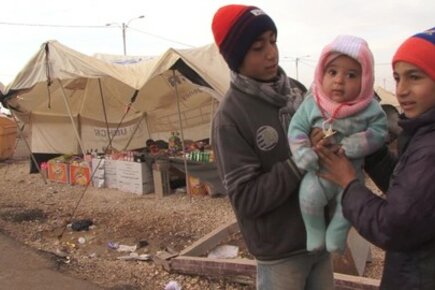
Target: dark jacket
252,156
404,222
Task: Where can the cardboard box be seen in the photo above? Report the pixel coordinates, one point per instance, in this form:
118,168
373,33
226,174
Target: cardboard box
110,174
105,173
8,136
58,171
196,187
79,174
134,177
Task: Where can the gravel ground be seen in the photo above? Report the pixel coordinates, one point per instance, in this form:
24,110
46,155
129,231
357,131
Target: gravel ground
37,214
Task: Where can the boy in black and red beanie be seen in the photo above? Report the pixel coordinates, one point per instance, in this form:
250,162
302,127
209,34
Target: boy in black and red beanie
253,156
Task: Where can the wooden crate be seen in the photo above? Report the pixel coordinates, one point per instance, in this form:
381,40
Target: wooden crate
162,186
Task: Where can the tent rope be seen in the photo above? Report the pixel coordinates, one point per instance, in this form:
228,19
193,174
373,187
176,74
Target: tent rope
134,131
20,132
132,100
74,211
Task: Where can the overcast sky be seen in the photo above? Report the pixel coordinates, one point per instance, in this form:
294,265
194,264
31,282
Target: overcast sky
304,28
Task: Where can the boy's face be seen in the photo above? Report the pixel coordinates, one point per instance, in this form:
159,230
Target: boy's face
261,60
342,79
415,90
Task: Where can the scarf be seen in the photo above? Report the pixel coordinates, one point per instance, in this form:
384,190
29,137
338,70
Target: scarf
278,93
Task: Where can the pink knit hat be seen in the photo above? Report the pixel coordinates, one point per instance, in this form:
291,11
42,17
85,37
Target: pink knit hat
358,49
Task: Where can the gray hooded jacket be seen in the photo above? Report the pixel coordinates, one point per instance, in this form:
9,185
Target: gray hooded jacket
252,155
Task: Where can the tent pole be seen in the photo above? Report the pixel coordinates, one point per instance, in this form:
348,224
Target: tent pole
148,127
71,117
20,132
182,137
104,111
211,118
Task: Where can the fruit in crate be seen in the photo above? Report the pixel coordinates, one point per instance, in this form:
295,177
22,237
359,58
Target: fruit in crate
174,144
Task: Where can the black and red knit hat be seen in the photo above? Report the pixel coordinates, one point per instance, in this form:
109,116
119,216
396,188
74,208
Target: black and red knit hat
235,28
419,50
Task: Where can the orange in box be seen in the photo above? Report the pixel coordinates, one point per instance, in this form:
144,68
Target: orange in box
196,187
79,174
58,171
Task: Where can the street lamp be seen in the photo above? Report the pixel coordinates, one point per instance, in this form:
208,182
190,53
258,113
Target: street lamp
124,27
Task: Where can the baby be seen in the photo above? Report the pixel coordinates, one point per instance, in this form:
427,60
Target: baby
341,103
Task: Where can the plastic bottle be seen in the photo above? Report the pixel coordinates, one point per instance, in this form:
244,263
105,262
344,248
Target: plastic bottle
211,157
206,156
44,169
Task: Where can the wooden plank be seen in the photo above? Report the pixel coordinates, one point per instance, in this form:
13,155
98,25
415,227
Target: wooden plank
213,267
211,240
354,259
246,269
349,282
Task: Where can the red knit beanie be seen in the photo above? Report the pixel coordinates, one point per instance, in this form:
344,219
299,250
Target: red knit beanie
419,50
235,29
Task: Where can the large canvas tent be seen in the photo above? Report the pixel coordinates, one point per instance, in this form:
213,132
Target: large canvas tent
391,107
75,103
387,98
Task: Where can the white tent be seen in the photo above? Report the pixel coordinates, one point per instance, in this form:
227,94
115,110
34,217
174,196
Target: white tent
74,102
391,106
387,98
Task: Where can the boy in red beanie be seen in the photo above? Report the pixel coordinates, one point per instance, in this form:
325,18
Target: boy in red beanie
253,155
403,223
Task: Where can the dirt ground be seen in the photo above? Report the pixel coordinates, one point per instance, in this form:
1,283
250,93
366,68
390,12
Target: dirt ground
38,215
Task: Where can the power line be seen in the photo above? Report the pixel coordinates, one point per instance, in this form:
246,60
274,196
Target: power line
163,38
307,63
92,26
52,25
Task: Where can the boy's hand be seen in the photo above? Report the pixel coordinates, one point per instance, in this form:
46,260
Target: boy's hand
317,137
338,168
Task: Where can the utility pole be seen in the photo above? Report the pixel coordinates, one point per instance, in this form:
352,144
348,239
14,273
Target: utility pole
124,27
